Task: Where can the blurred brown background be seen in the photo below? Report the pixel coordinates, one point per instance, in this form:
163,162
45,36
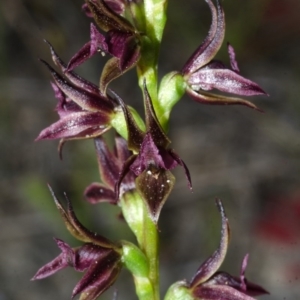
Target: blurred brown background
248,159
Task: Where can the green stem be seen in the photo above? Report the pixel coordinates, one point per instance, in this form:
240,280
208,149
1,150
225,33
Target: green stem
137,216
150,247
155,20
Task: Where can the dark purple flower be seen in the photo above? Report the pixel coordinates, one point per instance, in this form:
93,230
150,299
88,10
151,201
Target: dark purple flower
83,111
110,165
100,258
203,74
121,41
154,160
208,284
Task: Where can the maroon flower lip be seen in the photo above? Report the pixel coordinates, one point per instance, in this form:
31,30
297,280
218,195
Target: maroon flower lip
203,74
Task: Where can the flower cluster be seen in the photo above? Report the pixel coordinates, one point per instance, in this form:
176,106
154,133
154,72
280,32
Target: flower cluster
100,258
136,174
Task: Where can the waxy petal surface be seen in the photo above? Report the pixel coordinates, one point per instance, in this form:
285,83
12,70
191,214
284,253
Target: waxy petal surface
155,185
86,100
98,193
107,19
60,262
76,228
109,166
76,125
224,80
214,99
88,50
219,292
233,62
74,78
212,43
101,274
213,263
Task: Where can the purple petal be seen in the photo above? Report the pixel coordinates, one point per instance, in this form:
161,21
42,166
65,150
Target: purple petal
214,99
125,47
99,277
253,289
86,100
88,50
58,94
124,171
107,19
82,55
76,228
223,278
97,193
122,152
150,154
86,10
58,263
116,41
233,61
180,162
88,254
121,149
130,55
224,80
155,185
98,40
108,164
248,288
212,43
65,106
219,292
243,270
76,125
118,6
213,263
73,77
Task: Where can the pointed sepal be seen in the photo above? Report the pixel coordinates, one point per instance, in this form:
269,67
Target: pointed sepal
76,228
213,263
211,44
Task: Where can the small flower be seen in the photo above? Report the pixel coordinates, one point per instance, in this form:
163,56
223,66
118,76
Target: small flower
83,111
121,41
110,165
202,73
154,160
100,258
208,284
